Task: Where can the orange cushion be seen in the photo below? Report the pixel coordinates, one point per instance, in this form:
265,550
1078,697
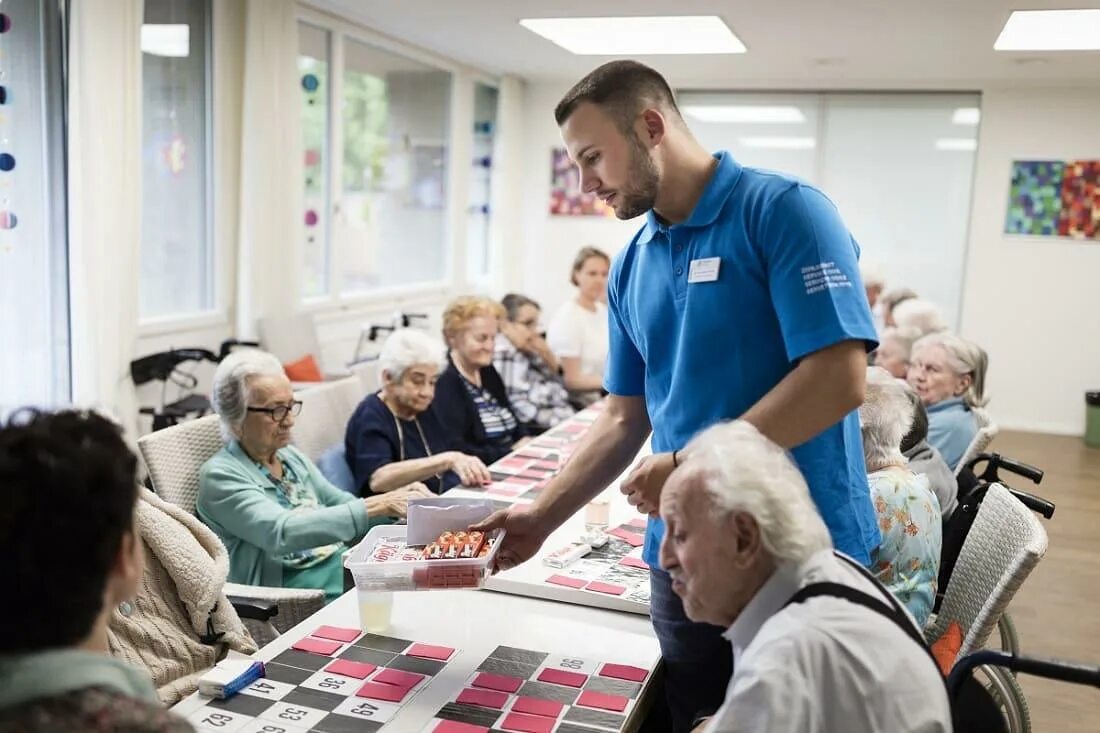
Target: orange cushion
946,648
304,370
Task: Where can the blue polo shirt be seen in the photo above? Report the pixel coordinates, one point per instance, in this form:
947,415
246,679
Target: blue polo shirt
704,351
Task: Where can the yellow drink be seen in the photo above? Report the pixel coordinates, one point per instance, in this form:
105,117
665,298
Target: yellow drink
375,608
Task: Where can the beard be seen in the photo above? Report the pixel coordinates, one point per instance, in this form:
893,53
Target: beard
639,193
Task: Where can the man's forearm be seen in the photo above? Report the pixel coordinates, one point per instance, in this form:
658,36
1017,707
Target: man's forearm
605,452
821,390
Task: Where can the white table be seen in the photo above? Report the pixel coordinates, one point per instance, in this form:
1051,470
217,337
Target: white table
529,579
475,623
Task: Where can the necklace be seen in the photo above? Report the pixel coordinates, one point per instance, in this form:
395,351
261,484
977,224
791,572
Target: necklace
401,439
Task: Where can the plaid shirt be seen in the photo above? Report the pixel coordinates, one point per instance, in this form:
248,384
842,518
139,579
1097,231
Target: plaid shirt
538,395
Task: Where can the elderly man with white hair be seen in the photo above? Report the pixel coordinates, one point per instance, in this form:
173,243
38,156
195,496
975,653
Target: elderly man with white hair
819,645
282,522
908,560
394,438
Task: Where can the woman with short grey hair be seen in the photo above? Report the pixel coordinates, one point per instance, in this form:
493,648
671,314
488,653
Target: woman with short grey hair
908,559
394,438
948,373
282,522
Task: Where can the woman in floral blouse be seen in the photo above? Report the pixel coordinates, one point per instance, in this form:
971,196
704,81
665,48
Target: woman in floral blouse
908,560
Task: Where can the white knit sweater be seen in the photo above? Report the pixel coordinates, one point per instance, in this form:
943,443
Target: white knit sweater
181,591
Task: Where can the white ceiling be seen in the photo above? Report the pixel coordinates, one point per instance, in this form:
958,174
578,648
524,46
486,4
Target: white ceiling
811,44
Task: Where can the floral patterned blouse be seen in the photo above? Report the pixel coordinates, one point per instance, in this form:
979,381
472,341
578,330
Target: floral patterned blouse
908,560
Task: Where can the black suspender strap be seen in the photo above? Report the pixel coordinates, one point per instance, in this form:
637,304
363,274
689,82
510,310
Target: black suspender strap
893,611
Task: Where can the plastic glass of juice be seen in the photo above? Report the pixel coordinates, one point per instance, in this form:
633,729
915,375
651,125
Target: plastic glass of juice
375,609
597,514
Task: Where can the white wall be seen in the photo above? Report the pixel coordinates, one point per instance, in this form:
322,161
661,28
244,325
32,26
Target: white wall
1031,301
549,243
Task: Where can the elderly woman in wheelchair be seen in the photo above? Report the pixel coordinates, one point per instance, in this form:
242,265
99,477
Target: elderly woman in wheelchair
948,373
283,523
908,559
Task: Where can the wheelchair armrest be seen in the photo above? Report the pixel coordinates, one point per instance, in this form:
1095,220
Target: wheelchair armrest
256,609
1032,502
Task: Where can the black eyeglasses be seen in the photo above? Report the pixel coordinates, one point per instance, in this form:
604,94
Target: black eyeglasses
279,412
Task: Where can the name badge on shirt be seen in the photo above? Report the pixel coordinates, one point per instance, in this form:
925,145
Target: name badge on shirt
704,270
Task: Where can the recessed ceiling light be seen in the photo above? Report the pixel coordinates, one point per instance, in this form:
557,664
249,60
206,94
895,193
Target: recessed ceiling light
643,36
966,116
784,143
1050,30
743,113
957,143
166,39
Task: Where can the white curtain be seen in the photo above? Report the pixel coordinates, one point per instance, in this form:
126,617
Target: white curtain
105,132
272,169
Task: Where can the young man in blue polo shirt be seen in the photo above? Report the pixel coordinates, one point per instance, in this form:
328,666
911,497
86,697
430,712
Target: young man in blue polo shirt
740,297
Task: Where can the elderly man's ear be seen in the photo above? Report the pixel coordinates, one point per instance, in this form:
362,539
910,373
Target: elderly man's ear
746,536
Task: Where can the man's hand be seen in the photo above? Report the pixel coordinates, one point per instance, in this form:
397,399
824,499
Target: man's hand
526,531
643,486
470,469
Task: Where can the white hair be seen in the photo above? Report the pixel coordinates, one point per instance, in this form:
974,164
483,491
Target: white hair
903,337
871,274
919,314
884,418
964,357
743,471
230,394
407,347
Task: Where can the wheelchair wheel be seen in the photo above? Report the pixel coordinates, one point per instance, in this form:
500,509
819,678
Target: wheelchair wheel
1008,695
1010,640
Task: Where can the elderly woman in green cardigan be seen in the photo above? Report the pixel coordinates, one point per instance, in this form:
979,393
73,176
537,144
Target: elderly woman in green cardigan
283,523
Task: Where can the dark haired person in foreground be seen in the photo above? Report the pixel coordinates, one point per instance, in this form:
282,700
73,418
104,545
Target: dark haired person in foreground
71,555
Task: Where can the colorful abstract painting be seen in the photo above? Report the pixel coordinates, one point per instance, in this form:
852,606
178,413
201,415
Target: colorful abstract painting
1035,198
1080,215
566,198
1055,198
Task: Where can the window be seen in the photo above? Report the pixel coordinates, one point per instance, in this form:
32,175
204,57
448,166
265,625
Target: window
314,51
176,248
34,324
898,166
392,214
478,250
376,170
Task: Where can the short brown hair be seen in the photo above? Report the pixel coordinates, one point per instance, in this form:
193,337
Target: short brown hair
462,309
622,89
583,256
512,302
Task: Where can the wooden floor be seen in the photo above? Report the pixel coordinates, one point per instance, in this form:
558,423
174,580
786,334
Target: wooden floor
1057,611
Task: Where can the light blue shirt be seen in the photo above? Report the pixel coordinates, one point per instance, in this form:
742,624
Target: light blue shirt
951,428
701,352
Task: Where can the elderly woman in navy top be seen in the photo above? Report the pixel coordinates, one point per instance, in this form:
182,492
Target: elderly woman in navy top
948,373
393,439
470,399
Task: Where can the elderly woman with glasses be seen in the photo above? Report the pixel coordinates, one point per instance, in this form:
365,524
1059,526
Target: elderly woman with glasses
948,374
528,368
283,523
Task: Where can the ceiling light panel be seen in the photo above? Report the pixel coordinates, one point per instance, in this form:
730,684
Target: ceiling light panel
641,36
744,114
1050,30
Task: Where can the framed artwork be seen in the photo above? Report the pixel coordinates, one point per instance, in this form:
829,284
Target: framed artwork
566,198
1053,198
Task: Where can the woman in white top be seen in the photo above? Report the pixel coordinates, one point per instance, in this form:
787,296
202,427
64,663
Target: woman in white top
578,333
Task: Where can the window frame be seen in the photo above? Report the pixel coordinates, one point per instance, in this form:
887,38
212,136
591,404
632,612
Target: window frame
459,145
216,251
